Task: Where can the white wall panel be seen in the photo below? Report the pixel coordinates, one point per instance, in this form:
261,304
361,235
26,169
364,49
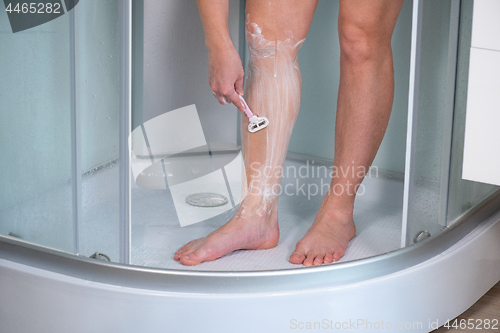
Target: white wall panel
482,127
486,24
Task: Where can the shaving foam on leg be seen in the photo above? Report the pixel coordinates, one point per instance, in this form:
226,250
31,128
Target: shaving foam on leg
273,90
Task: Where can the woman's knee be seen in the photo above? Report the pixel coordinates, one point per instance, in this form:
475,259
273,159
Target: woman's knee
366,27
261,47
361,42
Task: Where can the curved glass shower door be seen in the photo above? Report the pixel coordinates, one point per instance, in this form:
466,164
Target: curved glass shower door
113,143
35,132
59,130
435,192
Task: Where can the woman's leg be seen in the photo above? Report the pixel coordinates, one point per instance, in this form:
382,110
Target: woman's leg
364,105
275,31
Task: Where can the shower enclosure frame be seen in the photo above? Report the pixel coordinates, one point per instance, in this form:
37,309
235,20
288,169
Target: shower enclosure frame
170,296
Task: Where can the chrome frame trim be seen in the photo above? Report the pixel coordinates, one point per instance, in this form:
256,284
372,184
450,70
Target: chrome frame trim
411,131
449,110
125,129
76,156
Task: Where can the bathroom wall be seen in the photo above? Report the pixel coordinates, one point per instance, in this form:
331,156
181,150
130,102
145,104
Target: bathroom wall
481,158
174,69
175,66
319,61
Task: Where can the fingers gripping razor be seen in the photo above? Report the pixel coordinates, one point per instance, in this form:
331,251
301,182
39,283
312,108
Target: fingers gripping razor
256,123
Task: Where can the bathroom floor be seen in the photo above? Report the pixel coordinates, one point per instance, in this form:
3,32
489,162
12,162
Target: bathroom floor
156,233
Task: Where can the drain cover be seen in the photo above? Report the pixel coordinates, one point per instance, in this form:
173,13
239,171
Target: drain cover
206,199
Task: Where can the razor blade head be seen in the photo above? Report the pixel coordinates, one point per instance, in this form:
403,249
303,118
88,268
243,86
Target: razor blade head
261,123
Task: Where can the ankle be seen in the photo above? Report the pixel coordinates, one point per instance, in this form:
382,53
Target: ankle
339,216
337,211
342,204
258,206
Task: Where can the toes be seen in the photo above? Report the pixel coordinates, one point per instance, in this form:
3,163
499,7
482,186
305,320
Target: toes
318,260
183,250
338,254
190,259
315,258
297,258
186,245
328,258
309,259
179,254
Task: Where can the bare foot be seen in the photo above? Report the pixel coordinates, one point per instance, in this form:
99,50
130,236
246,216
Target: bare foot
326,240
249,229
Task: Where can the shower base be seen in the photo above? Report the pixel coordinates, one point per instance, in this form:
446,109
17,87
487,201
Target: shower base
156,233
417,287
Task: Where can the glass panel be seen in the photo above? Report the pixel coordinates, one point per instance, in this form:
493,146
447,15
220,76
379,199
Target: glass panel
380,206
440,195
35,133
437,53
97,43
183,141
314,134
38,201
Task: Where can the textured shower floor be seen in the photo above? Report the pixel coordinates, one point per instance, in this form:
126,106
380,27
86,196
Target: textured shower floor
46,219
156,234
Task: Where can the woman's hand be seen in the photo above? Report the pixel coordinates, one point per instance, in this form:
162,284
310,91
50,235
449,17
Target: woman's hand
225,70
225,75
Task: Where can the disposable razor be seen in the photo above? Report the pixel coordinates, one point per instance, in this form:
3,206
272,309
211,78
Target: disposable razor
256,123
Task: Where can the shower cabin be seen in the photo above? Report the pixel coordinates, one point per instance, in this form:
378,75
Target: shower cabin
111,126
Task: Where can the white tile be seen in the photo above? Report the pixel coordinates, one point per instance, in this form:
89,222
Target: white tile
482,127
486,24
